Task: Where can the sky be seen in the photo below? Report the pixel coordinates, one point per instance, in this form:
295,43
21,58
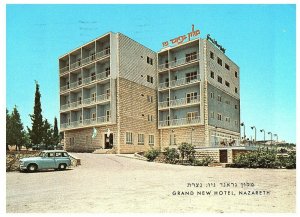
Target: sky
261,39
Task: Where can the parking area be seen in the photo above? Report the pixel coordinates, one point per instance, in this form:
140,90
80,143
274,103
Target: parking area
110,183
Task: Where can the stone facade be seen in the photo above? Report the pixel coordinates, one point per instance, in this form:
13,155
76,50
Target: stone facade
137,115
176,136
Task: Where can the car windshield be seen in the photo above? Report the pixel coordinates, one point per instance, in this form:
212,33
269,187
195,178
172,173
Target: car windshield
42,154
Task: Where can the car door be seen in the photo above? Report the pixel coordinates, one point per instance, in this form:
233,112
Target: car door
58,159
48,162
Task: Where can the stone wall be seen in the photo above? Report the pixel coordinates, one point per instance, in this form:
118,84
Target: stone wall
176,136
83,141
134,111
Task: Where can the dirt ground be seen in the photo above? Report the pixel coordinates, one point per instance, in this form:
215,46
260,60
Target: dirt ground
110,183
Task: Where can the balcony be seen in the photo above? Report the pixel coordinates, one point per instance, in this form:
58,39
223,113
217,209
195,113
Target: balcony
64,88
180,82
183,61
64,69
89,59
86,122
179,102
97,99
179,122
96,77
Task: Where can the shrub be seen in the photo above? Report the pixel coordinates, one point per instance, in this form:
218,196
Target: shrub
152,154
187,151
172,155
291,161
264,158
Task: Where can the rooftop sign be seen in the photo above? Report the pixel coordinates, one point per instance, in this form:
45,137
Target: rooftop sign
215,43
180,39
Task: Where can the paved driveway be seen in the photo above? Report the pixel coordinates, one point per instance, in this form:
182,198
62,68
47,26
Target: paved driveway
109,183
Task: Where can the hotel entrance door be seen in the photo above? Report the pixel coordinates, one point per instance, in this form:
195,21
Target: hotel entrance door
108,141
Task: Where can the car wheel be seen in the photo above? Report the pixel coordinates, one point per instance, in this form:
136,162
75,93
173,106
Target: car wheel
62,166
32,167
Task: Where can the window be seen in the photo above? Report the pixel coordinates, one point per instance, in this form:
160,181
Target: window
190,76
212,55
212,95
150,79
227,66
79,81
190,116
219,98
140,139
212,74
220,79
107,93
150,118
107,50
151,139
94,117
58,154
191,97
236,74
227,83
79,100
93,75
236,90
212,115
51,154
235,123
167,64
219,117
149,98
107,72
72,140
107,115
149,60
80,119
236,106
220,61
129,138
227,119
191,56
93,97
227,102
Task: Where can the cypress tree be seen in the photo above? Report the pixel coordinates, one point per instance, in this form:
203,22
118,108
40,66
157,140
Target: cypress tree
55,133
36,132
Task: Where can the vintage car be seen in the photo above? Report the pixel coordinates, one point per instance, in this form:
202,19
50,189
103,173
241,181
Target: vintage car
48,159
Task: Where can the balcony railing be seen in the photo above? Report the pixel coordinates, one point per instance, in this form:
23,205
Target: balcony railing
184,81
181,61
88,59
86,122
96,77
184,101
64,69
179,122
179,102
64,88
75,65
96,99
180,82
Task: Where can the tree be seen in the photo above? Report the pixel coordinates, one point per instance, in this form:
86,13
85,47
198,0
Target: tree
55,133
8,131
47,134
17,133
36,132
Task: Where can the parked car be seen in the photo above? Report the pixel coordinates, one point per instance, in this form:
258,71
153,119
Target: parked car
48,159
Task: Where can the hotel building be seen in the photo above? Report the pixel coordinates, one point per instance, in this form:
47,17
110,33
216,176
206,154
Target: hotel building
137,99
